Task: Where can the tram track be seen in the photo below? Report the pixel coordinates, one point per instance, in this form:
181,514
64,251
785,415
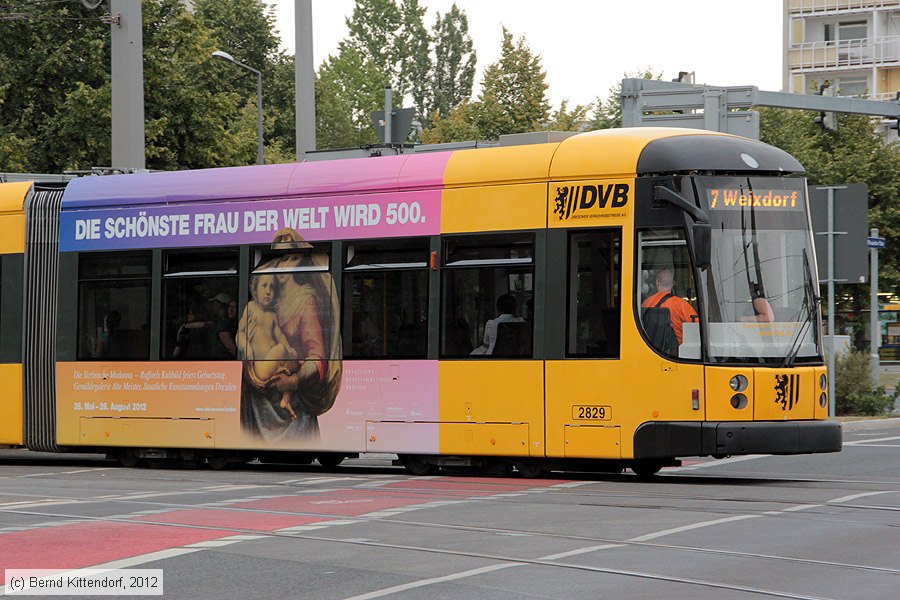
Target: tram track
509,491
513,484
530,497
606,543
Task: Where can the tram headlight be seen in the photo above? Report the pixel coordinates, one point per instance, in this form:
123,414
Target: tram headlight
823,382
823,399
738,383
739,401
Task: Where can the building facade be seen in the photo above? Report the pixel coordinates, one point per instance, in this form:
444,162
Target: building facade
851,45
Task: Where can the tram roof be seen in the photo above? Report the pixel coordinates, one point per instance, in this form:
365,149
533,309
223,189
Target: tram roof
604,153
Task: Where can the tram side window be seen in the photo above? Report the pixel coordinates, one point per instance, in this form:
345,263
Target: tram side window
667,294
385,305
594,310
199,304
114,306
488,296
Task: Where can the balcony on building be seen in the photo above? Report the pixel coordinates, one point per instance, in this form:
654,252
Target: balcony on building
818,7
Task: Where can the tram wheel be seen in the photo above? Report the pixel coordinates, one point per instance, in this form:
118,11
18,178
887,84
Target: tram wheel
645,469
418,465
330,460
128,459
217,462
531,469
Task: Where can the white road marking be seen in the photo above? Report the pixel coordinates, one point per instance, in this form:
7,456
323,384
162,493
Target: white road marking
580,551
577,551
233,488
664,532
857,496
801,507
424,582
39,503
50,474
717,462
877,446
310,480
867,442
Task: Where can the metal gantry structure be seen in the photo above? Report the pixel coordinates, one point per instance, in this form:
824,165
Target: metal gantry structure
727,109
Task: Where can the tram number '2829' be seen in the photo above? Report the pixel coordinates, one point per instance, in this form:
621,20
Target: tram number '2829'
591,413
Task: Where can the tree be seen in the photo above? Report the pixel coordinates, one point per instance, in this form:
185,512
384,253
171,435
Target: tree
55,88
242,28
373,29
348,88
608,114
43,56
413,55
513,97
565,120
194,118
454,63
457,126
387,45
245,29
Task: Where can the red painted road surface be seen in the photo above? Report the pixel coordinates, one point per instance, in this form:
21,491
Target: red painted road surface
82,545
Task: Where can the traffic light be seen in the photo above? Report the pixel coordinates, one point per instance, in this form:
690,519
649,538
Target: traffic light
826,120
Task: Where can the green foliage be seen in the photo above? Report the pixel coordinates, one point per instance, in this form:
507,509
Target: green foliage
348,88
43,57
413,47
388,44
565,120
513,98
454,63
242,28
854,391
457,126
608,114
55,86
373,29
194,117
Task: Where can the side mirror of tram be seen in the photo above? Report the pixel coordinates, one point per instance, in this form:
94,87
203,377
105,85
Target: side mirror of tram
701,231
702,234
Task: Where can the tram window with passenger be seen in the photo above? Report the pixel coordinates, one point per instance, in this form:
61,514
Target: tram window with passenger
488,285
667,296
198,287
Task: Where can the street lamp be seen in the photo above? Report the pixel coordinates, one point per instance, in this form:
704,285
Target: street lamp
259,120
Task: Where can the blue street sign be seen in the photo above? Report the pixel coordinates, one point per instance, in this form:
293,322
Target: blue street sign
875,242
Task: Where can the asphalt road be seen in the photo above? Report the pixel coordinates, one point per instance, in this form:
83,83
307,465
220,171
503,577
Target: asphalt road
824,526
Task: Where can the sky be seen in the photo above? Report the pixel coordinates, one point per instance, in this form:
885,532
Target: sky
587,45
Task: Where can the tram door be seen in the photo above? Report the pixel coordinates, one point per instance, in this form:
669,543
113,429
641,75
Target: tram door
582,337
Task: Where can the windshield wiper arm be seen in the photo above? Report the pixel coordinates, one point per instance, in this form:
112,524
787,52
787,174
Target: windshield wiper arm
809,299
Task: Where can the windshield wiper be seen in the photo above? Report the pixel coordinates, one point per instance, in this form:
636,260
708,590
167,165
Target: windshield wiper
809,298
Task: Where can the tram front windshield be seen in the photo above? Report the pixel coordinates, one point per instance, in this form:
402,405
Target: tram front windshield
758,294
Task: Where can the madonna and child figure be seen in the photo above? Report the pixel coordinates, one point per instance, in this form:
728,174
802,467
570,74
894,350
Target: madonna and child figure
290,340
265,346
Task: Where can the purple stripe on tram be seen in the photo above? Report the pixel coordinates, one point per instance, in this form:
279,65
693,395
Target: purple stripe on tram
260,181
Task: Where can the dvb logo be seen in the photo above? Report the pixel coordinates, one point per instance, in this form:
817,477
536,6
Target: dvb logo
583,198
